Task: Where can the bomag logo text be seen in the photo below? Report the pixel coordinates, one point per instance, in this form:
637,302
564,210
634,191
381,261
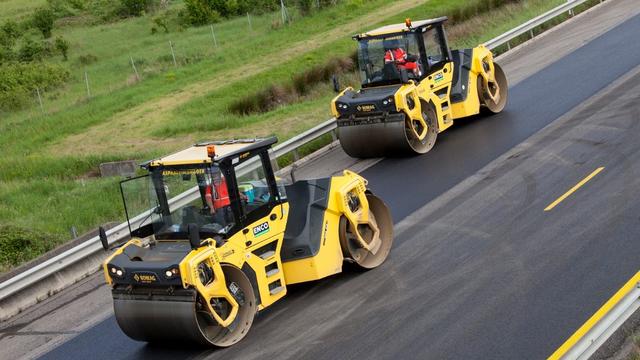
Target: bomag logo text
144,278
366,107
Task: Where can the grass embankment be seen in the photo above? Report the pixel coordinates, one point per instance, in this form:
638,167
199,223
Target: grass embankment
45,181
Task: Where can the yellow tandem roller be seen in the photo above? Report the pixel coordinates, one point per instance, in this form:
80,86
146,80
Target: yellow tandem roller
413,87
222,240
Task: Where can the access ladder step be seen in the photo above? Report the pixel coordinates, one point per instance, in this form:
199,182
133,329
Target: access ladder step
276,290
267,254
272,272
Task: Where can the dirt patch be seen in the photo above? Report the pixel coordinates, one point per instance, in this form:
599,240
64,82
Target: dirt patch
288,93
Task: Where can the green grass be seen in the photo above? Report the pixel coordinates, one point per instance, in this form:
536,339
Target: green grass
49,161
18,9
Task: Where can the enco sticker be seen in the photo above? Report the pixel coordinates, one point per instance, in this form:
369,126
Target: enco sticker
261,229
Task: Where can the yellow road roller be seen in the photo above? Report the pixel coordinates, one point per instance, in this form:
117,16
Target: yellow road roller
215,239
413,87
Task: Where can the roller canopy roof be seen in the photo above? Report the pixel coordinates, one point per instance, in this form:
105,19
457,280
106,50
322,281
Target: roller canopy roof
398,28
197,154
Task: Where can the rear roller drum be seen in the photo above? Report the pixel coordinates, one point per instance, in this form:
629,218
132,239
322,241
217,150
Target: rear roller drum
494,96
380,216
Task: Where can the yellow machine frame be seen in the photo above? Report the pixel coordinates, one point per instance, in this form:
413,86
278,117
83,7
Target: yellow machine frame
425,92
370,125
348,201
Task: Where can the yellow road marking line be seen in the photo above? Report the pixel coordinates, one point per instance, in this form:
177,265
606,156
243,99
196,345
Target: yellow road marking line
593,320
573,189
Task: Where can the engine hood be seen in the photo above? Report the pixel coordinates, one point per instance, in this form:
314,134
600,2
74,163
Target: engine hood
147,265
367,100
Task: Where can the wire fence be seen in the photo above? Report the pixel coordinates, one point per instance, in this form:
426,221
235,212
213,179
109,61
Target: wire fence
178,49
164,57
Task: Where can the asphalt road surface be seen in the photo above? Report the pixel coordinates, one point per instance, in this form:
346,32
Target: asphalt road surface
478,270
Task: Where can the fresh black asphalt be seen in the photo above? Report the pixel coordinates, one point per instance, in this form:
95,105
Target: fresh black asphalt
446,294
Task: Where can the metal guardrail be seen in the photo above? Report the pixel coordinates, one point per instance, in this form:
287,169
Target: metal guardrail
120,232
528,26
590,336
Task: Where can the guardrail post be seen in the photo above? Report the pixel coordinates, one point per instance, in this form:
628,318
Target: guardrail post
531,34
334,136
294,167
296,155
274,161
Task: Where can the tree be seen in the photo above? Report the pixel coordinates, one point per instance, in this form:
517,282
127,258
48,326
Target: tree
200,12
62,45
42,20
135,7
9,33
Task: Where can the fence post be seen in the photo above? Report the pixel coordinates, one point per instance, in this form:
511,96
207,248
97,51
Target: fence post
283,12
173,54
40,100
133,64
249,20
215,42
86,81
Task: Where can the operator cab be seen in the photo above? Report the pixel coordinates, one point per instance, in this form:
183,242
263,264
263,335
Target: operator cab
424,43
219,186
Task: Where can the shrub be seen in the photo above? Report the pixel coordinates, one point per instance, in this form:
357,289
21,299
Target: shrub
62,45
18,82
135,7
32,51
6,55
200,12
65,8
87,59
42,20
9,33
306,6
13,100
18,245
161,23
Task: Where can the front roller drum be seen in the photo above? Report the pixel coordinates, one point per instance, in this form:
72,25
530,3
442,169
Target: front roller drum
379,214
395,136
179,318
